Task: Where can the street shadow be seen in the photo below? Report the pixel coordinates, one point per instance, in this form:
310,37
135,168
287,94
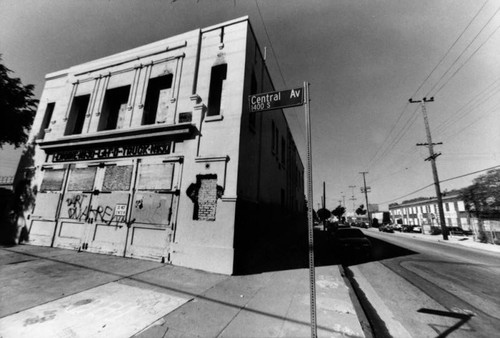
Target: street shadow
463,318
286,253
329,253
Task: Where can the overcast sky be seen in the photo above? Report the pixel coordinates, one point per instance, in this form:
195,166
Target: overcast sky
363,58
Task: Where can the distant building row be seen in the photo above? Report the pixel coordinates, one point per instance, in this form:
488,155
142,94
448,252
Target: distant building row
425,213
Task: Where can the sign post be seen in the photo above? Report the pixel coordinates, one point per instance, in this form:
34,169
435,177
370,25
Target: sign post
312,274
285,99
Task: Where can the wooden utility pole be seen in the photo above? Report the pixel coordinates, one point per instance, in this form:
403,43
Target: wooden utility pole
432,158
365,189
353,199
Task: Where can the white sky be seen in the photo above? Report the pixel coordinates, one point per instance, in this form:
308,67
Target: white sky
363,58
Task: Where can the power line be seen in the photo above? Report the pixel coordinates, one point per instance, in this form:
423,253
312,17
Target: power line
462,111
462,53
470,56
399,136
449,179
449,49
270,43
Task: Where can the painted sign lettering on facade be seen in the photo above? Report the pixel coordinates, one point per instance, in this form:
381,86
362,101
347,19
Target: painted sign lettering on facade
112,152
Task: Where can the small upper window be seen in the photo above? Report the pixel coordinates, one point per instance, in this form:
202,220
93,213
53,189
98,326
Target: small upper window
114,108
283,150
157,97
77,115
217,79
46,120
253,90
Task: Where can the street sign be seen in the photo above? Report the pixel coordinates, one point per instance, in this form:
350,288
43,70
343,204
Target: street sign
276,100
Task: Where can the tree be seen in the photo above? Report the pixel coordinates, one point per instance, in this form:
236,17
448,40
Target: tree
361,210
324,214
338,212
17,108
482,199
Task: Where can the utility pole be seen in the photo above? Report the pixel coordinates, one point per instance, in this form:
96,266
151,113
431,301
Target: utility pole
432,158
366,197
353,198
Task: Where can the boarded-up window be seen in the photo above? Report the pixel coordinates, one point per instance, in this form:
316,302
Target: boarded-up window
152,208
114,108
156,176
82,179
117,178
52,180
156,107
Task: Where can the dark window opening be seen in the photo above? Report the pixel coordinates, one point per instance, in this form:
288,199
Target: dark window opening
217,78
253,90
156,92
46,120
273,144
77,115
283,150
114,108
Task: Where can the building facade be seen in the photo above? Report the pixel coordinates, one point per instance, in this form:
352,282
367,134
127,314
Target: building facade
152,153
424,212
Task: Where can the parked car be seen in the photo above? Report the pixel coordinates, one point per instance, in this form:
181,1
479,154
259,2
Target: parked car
406,228
457,231
352,244
386,228
417,228
436,231
397,227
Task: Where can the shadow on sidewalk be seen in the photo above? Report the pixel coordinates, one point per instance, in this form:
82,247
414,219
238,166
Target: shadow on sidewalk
289,254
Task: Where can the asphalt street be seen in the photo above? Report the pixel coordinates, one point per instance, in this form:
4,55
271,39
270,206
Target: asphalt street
422,288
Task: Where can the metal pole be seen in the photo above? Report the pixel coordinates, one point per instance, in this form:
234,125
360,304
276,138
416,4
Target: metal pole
312,276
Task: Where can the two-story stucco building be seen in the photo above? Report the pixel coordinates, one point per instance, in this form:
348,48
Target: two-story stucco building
152,153
424,212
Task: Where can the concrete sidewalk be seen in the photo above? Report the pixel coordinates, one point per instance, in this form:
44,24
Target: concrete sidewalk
49,292
467,241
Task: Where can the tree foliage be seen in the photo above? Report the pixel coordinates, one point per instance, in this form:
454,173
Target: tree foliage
324,214
17,108
361,210
482,198
338,212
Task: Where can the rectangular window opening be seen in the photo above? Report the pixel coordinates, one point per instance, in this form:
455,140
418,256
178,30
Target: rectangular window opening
217,79
114,108
156,98
283,150
77,113
46,120
253,90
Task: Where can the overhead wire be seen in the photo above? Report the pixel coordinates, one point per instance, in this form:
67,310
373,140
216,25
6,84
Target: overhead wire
473,103
391,145
450,48
465,62
405,127
462,53
441,181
